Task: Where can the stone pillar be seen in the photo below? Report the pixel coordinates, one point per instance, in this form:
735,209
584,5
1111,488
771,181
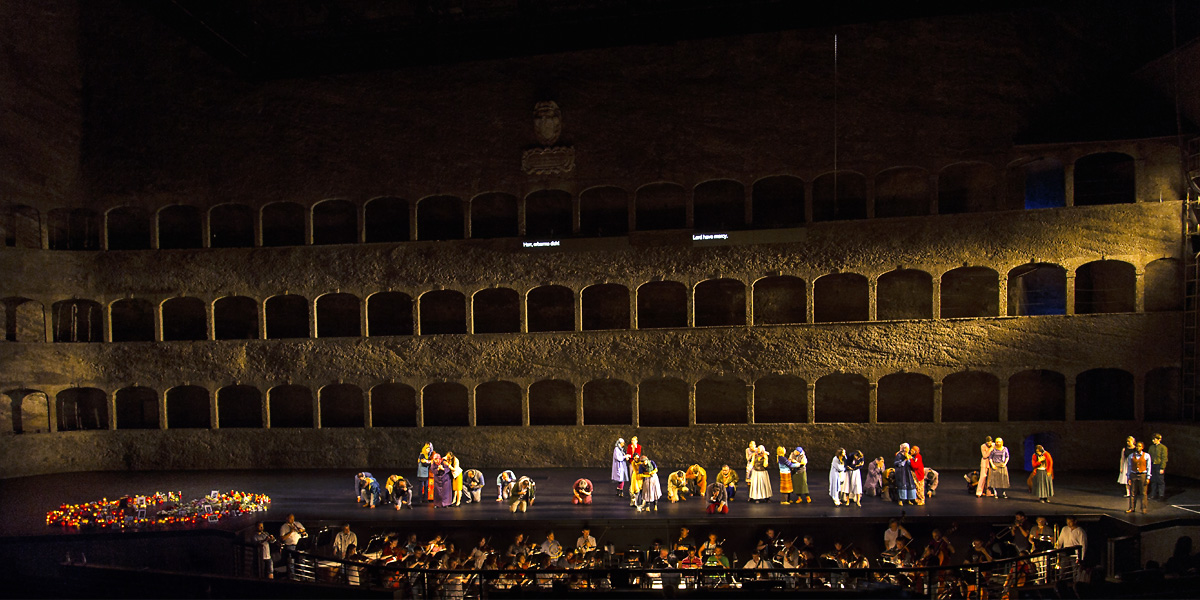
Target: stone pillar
810,300
52,408
262,320
266,410
364,324
210,316
691,404
750,403
575,213
466,224
158,320
521,215
106,321
872,299
873,402
47,319
691,305
214,418
412,222
317,409
936,305
937,402
633,304
421,406
748,217
313,332
111,399
1002,290
1003,399
810,399
579,310
258,228
154,231
523,311
750,304
1070,301
1139,287
416,315
469,306
368,418
362,223
637,419
104,231
579,405
525,405
1069,184
1070,397
471,404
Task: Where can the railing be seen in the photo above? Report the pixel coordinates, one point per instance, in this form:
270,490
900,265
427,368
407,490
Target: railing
1053,569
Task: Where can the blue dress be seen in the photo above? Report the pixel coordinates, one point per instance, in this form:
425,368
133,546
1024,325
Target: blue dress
905,485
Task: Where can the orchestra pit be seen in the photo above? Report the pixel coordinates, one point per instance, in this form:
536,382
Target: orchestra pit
424,276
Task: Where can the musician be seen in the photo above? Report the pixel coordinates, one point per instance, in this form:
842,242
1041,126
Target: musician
717,558
809,545
697,479
291,533
683,544
266,566
473,486
582,491
710,546
437,544
677,489
503,481
894,532
979,552
729,480
757,561
840,554
620,466
718,499
551,547
585,543
1018,532
516,549
902,555
1072,536
858,560
789,556
770,544
938,551
691,561
343,540
1041,535
664,560
480,553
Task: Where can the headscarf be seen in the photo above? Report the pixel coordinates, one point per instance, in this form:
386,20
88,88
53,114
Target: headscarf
427,450
779,451
620,442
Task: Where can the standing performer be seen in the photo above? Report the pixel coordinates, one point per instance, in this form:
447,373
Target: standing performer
729,480
874,482
676,487
785,475
1122,469
635,449
905,485
718,499
620,466
473,484
751,453
503,480
799,462
443,482
854,485
697,479
760,483
1158,455
456,474
985,451
837,478
582,491
1043,474
1139,465
918,469
651,488
998,469
635,464
424,475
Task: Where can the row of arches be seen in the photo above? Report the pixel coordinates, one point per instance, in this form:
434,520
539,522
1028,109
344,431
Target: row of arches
716,205
1104,286
904,397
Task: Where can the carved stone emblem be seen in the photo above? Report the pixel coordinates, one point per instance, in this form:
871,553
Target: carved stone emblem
549,159
547,122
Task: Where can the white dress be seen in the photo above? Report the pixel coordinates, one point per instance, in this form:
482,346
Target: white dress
837,480
760,482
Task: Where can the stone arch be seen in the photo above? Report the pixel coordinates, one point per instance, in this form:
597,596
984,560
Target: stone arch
905,398
778,201
1037,395
29,411
552,402
607,402
440,218
663,402
235,318
840,196
180,226
77,321
74,229
720,303
1164,285
1162,388
24,320
970,292
283,224
23,227
1104,395
1105,286
967,187
287,317
496,310
1037,289
188,408
445,405
550,308
780,299
239,407
334,222
184,318
605,306
80,409
660,206
843,398
904,294
498,403
604,211
128,228
386,220
132,320
662,304
341,405
1037,183
971,396
721,400
389,313
1105,178
781,399
549,214
231,226
339,315
290,406
494,215
841,297
902,192
443,312
719,205
137,408
393,405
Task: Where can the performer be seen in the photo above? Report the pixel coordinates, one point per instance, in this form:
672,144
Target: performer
1072,536
290,534
360,486
519,498
1043,474
837,478
998,469
751,454
931,482
635,464
1041,536
717,560
620,467
709,547
651,488
266,566
938,551
854,485
398,492
582,491
503,481
676,487
697,479
874,481
344,540
1138,467
683,544
443,482
799,462
718,499
370,490
456,474
894,532
473,485
785,475
729,480
760,483
1122,469
635,449
424,473
516,549
1158,456
532,488
551,547
918,468
985,451
905,486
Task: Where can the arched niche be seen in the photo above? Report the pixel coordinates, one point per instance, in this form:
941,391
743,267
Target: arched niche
1105,178
494,215
283,224
445,405
1104,395
1162,393
662,304
498,403
80,409
904,294
841,297
137,408
1037,395
902,192
659,206
236,318
188,408
341,405
720,302
721,400
663,402
552,402
905,398
840,196
132,320
780,299
335,222
1038,183
781,399
1037,289
287,317
339,315
550,308
389,313
290,406
231,226
128,228
440,218
240,407
970,396
27,410
843,398
605,306
549,214
1105,286
604,211
180,226
184,319
778,201
970,292
607,402
443,312
74,229
77,321
386,220
24,320
966,187
393,405
496,310
719,205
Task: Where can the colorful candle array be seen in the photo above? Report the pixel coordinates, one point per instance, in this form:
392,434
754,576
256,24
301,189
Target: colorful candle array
124,512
